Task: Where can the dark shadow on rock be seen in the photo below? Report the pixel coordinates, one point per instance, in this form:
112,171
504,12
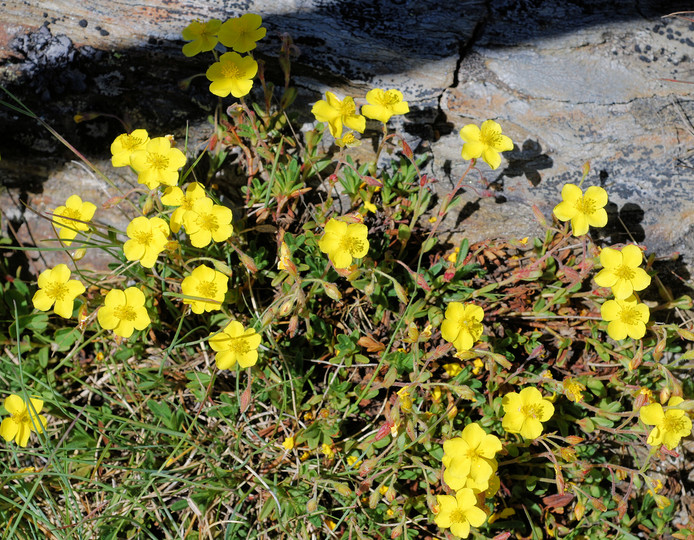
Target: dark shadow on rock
623,225
339,41
527,161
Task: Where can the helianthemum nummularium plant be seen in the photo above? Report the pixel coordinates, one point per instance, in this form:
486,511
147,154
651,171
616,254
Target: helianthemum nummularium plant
235,345
72,217
126,144
124,312
242,33
147,239
337,113
669,426
233,74
157,163
626,317
204,289
463,325
384,104
469,459
24,418
486,142
525,412
459,513
621,271
344,242
583,211
57,290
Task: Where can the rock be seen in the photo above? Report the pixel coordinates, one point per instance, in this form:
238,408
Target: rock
570,82
594,95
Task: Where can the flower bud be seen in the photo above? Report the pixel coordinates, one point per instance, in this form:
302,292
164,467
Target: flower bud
79,254
664,395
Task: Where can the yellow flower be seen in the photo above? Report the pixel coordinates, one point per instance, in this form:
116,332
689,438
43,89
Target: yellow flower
174,196
573,389
583,210
71,218
125,144
234,344
462,325
241,33
148,238
23,420
478,365
452,369
626,317
206,221
405,399
206,288
124,311
348,140
621,271
384,104
525,412
327,451
485,142
370,207
453,256
353,461
233,74
285,263
202,36
288,443
342,242
336,113
157,163
459,513
670,425
469,459
56,287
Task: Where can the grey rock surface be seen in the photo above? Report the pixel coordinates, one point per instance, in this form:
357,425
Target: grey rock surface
570,82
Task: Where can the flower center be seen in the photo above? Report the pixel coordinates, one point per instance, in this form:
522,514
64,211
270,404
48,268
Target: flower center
491,137
351,244
56,290
674,424
532,410
22,417
458,516
230,71
629,316
207,289
125,313
157,161
472,454
347,108
130,142
207,222
70,213
144,238
625,272
586,205
239,345
388,99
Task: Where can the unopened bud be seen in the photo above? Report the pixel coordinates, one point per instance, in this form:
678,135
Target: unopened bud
147,207
79,254
664,395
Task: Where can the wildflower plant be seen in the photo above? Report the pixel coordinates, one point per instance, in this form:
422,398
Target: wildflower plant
324,360
73,218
